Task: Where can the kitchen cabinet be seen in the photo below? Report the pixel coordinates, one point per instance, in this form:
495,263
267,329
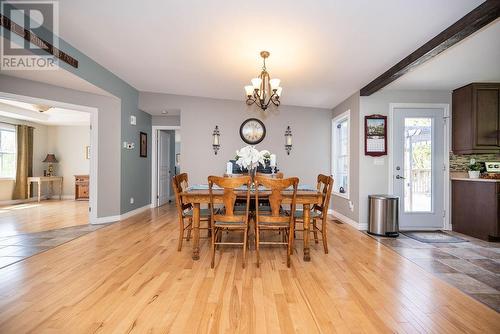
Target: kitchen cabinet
475,208
476,119
81,187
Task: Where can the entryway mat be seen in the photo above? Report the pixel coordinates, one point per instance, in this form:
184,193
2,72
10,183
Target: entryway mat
433,237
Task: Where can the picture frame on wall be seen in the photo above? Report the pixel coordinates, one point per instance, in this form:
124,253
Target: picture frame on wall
375,135
143,144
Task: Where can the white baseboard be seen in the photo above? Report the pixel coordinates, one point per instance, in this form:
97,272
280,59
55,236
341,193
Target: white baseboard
347,220
20,201
123,216
63,197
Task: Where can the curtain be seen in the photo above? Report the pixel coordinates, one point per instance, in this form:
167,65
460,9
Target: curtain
24,161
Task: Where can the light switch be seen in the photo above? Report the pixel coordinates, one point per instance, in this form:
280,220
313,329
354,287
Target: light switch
133,120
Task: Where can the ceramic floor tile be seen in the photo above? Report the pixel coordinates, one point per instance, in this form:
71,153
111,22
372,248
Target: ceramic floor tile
422,253
463,253
10,250
463,266
7,260
490,265
467,283
433,266
492,300
488,278
490,253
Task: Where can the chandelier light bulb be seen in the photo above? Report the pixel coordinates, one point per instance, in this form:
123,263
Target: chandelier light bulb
256,83
275,83
249,90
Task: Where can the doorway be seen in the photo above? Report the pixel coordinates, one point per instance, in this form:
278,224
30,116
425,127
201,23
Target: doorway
165,163
418,170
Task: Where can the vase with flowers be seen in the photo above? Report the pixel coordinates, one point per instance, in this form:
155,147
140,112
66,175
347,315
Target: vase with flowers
249,158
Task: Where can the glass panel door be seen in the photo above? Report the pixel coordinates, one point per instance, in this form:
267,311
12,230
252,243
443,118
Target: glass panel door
418,196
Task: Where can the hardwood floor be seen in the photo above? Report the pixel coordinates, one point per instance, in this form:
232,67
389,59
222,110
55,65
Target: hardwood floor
129,278
46,215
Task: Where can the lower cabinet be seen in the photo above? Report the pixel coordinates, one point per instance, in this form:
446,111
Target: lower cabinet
475,207
81,187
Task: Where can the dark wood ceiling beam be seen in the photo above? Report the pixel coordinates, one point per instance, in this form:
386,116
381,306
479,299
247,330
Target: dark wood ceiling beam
481,16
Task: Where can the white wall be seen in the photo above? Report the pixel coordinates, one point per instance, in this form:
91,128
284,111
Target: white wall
340,204
374,179
68,143
311,128
39,153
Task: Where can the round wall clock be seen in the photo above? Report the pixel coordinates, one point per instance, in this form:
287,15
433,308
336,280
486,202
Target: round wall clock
252,131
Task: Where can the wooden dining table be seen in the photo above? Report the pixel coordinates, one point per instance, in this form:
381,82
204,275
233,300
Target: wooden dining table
306,196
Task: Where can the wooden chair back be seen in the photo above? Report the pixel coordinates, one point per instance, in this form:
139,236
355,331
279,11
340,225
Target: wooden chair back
278,175
229,186
276,187
179,185
325,185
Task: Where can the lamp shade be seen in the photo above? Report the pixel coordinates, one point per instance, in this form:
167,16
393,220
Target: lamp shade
50,158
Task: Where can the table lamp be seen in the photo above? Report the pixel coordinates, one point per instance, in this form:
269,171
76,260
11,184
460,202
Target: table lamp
51,159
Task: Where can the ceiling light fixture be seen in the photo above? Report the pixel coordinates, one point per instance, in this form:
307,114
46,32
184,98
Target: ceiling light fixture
264,90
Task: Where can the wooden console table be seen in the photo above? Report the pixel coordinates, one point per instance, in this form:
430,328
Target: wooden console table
40,179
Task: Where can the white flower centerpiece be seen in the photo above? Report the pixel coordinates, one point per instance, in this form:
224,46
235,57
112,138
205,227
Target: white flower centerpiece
249,158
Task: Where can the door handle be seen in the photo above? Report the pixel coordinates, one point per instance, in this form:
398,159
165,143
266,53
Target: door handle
399,177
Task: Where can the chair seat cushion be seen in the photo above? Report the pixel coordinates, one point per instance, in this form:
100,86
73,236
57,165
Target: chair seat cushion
203,213
229,224
312,214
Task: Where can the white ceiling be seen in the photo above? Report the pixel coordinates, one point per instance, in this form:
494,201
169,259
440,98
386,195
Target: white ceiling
475,59
53,116
322,50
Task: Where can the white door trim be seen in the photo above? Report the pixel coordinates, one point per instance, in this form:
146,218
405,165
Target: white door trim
94,141
447,120
154,160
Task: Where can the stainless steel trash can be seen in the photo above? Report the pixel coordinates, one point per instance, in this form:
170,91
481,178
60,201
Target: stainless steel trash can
383,215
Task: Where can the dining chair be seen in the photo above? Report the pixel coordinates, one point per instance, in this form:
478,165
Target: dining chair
185,210
319,211
275,218
225,215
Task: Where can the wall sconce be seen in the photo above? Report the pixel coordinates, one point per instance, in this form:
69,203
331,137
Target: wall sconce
288,140
216,139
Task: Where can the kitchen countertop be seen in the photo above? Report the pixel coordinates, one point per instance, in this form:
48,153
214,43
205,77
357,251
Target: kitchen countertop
474,180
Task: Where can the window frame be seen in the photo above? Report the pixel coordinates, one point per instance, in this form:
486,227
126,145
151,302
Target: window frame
9,127
345,116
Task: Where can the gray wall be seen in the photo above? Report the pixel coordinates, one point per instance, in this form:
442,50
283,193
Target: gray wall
374,179
132,167
166,120
340,204
108,187
311,129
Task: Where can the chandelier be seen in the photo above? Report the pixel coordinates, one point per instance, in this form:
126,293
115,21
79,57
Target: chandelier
263,91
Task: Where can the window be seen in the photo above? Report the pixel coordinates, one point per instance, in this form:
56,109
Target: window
7,151
340,154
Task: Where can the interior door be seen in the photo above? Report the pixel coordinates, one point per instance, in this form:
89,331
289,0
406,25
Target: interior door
419,169
163,167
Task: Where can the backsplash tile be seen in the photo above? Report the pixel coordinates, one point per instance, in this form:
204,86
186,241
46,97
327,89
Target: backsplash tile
459,162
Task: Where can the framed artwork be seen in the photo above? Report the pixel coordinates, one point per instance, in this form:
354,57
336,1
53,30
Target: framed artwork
375,135
143,144
87,152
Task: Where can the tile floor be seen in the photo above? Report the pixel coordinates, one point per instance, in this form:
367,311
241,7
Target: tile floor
18,247
473,267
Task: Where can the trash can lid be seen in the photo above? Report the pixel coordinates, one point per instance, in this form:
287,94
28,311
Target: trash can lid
383,196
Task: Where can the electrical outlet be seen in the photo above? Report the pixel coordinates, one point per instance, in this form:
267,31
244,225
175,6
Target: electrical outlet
131,200
351,206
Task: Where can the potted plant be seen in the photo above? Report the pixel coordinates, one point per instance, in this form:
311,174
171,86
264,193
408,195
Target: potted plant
474,169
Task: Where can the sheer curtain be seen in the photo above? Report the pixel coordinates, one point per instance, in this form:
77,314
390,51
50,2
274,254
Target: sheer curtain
24,161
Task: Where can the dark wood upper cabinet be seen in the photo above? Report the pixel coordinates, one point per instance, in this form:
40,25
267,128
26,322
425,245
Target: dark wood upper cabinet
476,119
